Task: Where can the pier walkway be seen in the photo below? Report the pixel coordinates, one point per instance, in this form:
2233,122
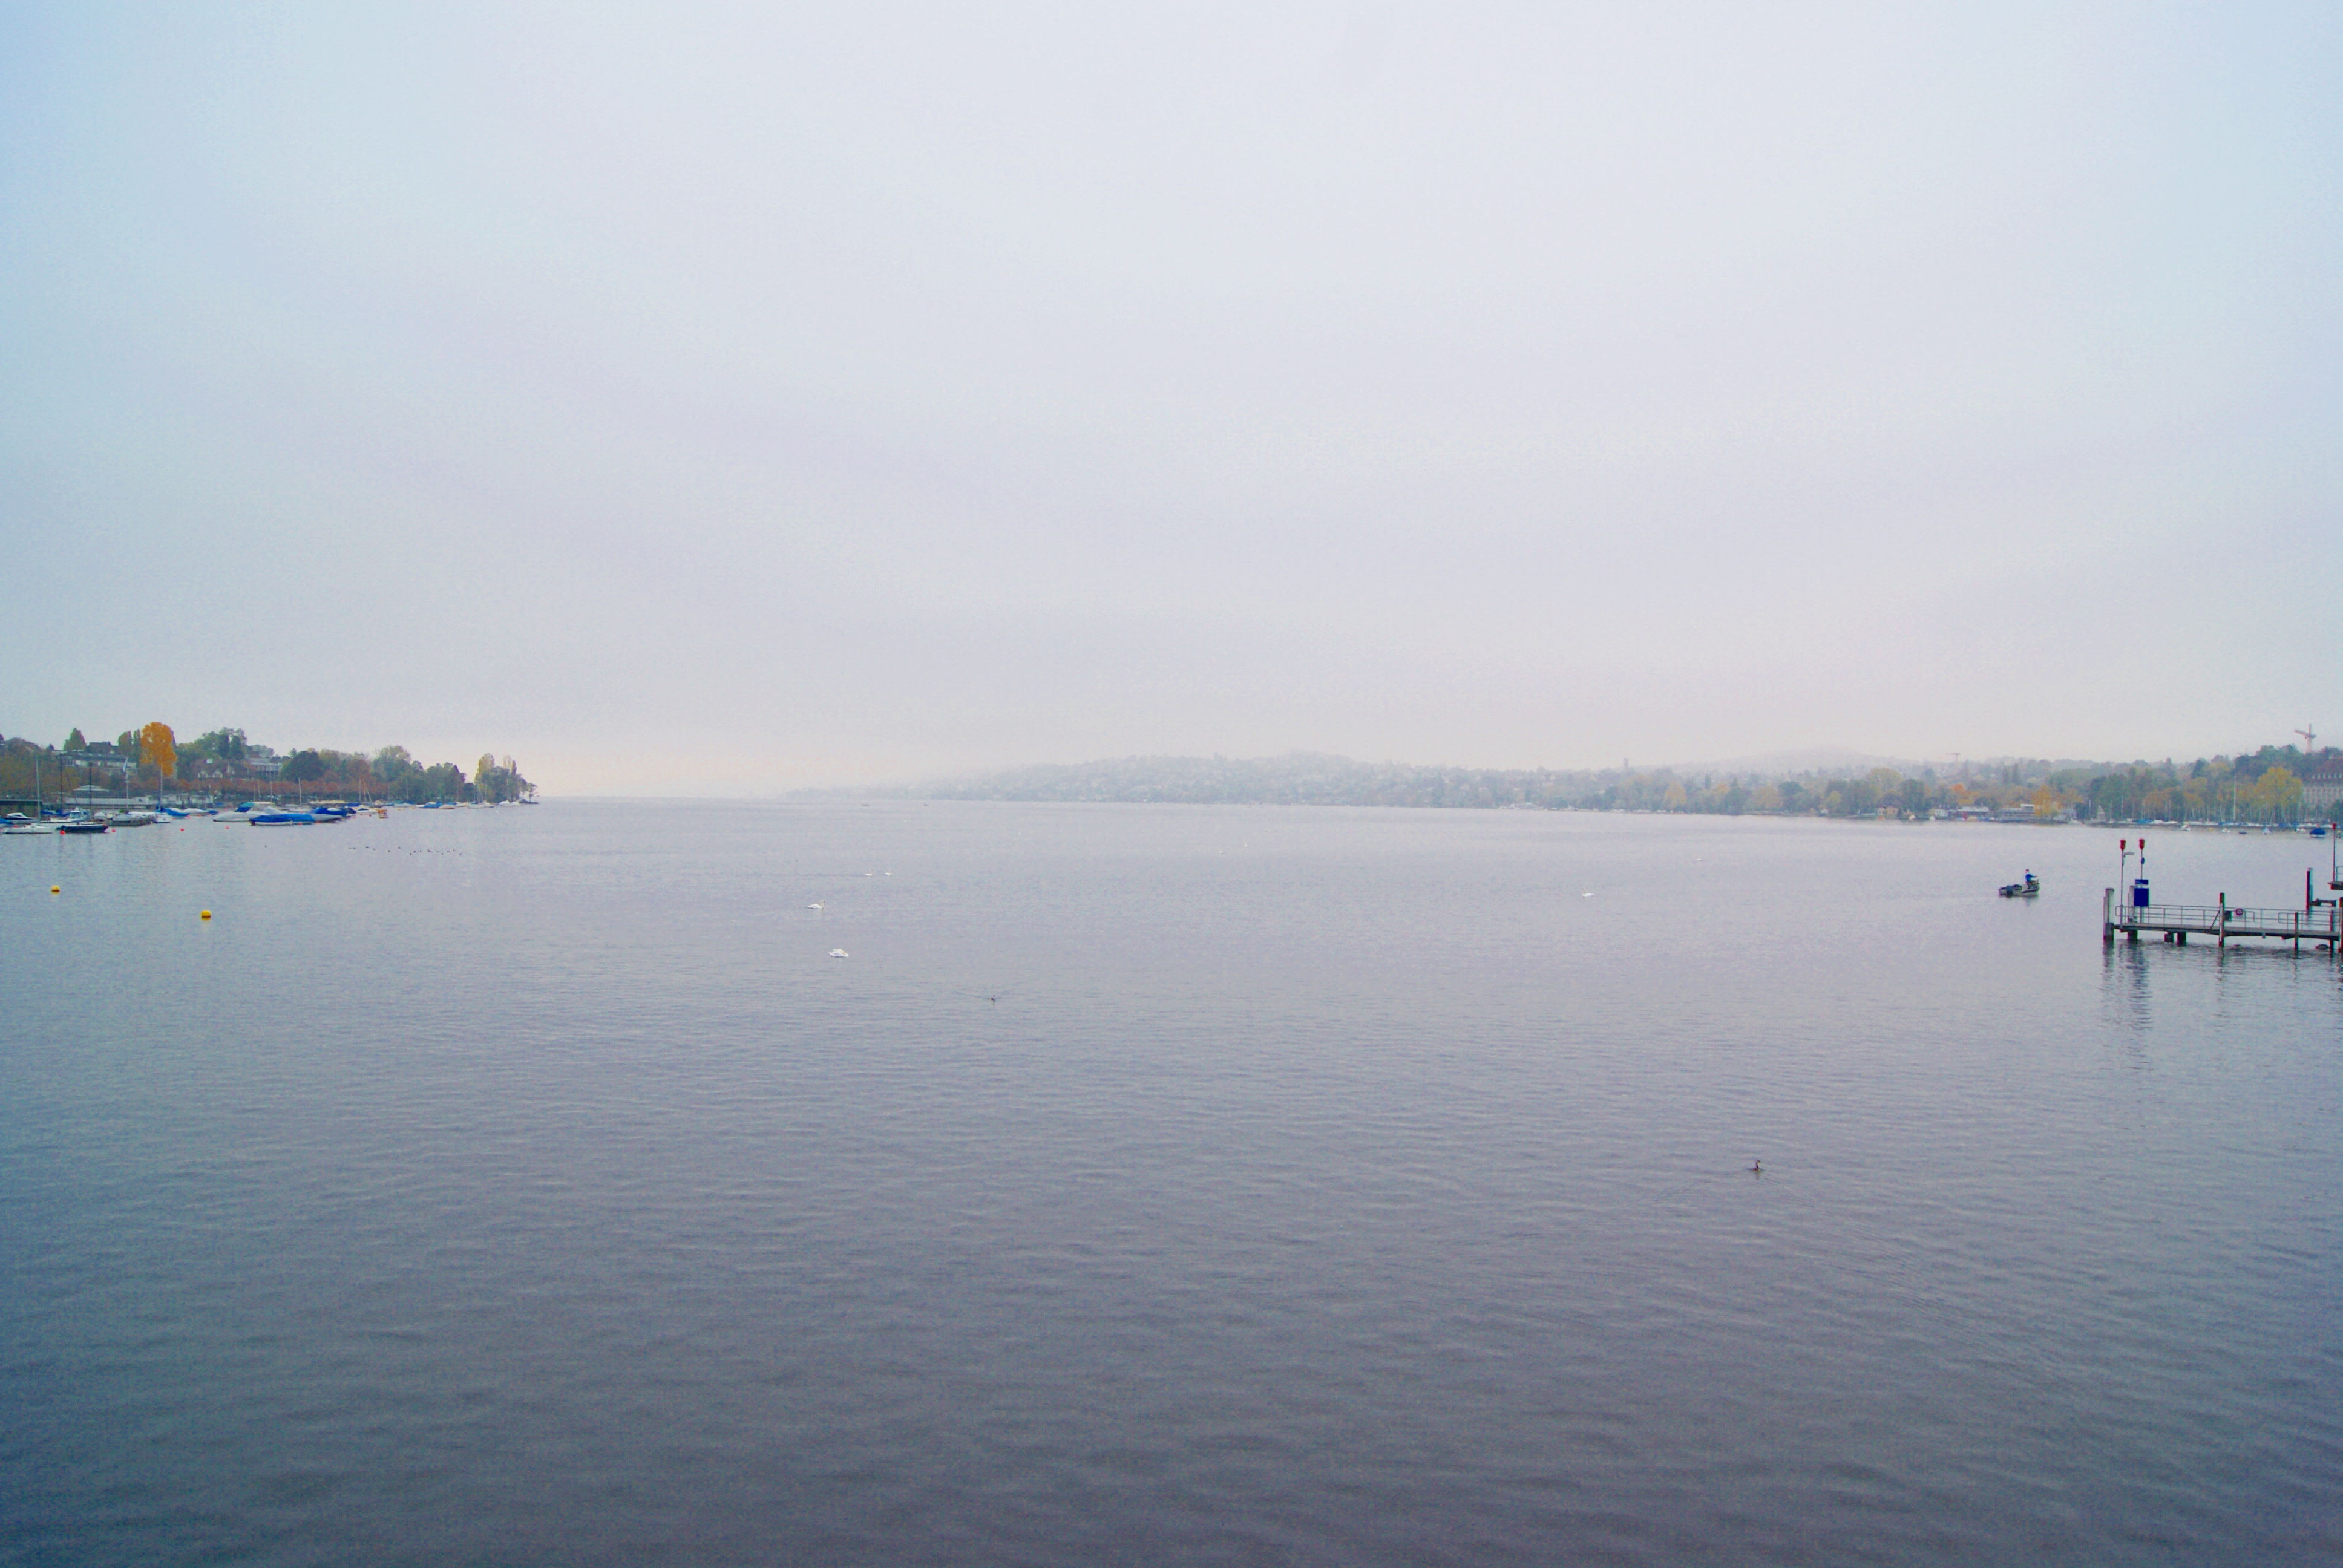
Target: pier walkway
2222,922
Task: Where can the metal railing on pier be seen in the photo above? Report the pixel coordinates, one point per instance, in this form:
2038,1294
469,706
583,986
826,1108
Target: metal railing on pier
2222,922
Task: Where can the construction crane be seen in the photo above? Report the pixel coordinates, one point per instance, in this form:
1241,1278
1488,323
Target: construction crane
2310,740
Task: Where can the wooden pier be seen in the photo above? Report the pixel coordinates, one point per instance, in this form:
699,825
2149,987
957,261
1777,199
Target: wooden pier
2223,922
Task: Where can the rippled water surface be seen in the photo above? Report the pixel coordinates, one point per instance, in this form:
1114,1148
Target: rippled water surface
1158,1185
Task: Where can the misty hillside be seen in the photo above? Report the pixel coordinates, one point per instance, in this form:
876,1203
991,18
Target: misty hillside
1299,779
2261,785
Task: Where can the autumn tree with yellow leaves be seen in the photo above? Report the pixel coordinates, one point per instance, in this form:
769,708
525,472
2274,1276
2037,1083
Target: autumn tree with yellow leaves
158,748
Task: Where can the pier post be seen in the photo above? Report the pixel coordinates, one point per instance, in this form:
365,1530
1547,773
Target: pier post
2224,919
2107,919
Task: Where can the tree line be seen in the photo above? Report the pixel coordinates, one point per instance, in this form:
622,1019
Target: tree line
226,762
2263,786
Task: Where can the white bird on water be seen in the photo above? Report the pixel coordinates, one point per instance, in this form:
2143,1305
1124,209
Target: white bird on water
813,906
838,952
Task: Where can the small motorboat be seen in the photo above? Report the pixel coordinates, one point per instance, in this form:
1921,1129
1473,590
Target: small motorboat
85,825
2029,889
282,818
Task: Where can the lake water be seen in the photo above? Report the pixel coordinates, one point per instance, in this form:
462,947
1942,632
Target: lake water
1158,1185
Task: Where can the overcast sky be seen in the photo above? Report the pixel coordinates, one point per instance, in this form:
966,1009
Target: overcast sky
707,400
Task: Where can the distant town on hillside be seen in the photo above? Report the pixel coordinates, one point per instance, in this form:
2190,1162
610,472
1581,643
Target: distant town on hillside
224,764
2276,784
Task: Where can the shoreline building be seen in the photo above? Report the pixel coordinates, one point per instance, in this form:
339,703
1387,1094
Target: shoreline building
2322,787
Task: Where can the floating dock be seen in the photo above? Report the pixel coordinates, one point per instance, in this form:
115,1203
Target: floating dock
2128,912
2222,922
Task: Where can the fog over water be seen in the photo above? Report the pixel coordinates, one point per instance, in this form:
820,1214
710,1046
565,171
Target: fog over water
718,399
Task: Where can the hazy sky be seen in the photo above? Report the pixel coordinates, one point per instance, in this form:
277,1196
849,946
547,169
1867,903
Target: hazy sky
715,400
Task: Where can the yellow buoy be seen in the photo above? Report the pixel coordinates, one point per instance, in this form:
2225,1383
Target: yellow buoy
207,914
55,890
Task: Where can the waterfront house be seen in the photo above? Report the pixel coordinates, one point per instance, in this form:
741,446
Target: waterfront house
2322,787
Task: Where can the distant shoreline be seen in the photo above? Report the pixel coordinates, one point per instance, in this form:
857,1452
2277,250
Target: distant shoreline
2276,786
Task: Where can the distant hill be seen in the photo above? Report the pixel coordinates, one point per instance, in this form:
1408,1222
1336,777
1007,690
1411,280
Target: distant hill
1297,778
1835,782
1812,760
1315,778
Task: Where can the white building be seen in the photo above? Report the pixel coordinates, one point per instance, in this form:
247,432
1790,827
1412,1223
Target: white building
2322,788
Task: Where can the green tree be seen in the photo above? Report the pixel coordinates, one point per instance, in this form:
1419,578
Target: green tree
1852,798
221,745
2277,795
497,781
73,742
